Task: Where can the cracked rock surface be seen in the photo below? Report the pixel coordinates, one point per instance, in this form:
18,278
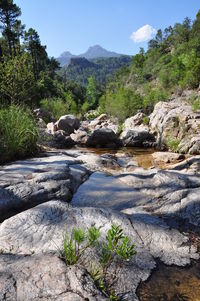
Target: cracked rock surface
44,277
40,230
139,201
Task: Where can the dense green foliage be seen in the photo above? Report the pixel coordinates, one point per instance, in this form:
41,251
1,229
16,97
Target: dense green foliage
121,104
101,69
27,74
18,133
28,77
171,62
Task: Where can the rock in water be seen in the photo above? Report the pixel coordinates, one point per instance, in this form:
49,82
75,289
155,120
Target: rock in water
139,139
104,137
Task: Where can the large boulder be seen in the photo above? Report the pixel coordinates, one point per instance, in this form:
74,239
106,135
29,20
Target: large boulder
61,140
135,122
177,125
68,123
137,134
139,139
104,137
103,121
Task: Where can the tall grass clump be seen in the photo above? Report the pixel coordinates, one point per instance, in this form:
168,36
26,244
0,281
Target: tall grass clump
18,133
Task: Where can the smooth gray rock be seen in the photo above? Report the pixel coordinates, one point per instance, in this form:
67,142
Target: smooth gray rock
24,184
104,137
68,124
139,139
176,121
40,230
139,201
44,277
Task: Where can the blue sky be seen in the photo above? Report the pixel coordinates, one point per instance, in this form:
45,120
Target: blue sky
74,25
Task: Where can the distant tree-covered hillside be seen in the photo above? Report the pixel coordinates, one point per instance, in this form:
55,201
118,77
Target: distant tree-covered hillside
171,63
80,69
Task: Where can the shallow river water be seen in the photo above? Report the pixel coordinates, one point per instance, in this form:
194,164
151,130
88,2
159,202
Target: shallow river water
167,283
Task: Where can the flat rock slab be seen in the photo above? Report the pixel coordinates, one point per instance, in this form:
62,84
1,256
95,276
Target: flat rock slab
25,184
40,230
44,277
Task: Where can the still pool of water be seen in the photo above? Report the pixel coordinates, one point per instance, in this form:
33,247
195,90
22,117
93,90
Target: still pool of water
167,283
172,284
142,156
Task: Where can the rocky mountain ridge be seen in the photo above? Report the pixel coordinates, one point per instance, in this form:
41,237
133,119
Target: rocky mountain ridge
93,52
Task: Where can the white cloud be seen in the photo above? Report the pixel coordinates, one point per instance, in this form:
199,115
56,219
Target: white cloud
143,34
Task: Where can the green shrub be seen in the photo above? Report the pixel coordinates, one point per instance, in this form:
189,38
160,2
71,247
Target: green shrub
18,133
195,102
173,144
152,97
56,106
145,120
122,104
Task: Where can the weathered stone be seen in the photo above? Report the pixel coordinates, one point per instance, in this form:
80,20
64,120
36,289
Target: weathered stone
176,121
167,157
68,123
40,229
139,139
104,138
25,184
80,137
44,277
60,140
51,128
139,201
134,123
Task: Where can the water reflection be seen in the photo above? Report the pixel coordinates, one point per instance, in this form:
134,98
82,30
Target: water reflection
172,284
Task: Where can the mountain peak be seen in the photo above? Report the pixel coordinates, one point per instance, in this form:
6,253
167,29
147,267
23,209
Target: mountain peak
96,47
97,51
93,52
66,53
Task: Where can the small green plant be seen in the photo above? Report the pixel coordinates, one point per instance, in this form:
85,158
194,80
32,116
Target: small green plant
76,244
120,129
173,144
196,105
117,247
195,102
145,120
